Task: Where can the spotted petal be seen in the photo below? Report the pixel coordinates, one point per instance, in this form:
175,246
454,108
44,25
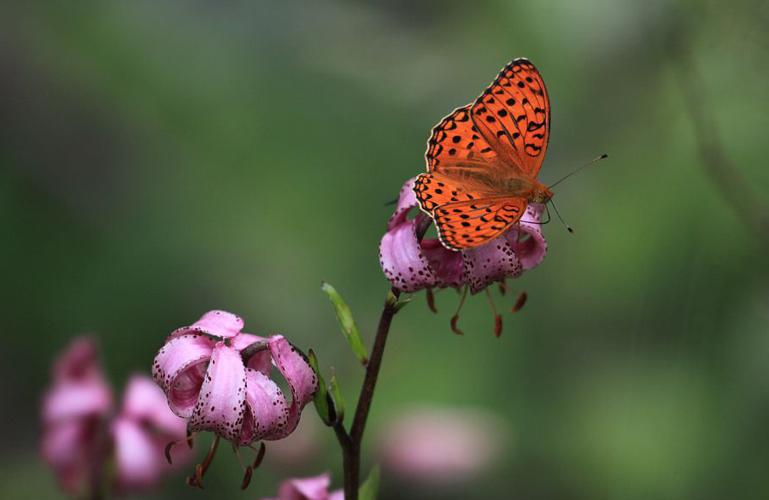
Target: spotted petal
526,238
179,368
490,262
266,409
409,264
221,402
296,370
220,324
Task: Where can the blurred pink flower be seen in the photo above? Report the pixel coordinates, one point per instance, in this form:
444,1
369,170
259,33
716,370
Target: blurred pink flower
75,409
217,378
140,434
441,446
412,265
80,435
309,488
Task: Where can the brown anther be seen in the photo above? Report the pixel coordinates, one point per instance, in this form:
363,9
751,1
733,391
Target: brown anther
502,287
520,302
168,452
200,469
259,456
246,478
189,439
454,327
497,325
430,300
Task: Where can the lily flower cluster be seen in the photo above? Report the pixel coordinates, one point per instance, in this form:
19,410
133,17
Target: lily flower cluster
219,379
81,433
412,263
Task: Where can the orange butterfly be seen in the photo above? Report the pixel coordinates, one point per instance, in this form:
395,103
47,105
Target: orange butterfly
483,160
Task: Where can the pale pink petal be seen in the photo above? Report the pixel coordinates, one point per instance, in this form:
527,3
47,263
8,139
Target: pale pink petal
144,401
266,409
311,488
221,324
83,398
139,458
336,495
261,360
526,238
179,368
442,446
221,403
70,449
293,365
246,340
490,262
409,264
79,360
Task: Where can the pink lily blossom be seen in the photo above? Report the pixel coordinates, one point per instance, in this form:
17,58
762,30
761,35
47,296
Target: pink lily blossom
140,433
80,434
74,411
217,378
310,488
412,265
442,446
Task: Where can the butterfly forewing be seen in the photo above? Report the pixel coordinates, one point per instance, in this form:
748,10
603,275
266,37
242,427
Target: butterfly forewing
456,143
513,115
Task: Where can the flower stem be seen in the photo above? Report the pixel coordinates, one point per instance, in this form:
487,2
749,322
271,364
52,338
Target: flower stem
351,443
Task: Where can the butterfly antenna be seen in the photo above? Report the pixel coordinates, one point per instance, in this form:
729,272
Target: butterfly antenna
594,160
568,227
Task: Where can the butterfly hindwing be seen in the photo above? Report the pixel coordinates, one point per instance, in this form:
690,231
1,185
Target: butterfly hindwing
513,115
465,219
469,224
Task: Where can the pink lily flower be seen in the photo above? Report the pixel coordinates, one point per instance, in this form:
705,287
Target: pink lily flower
440,447
74,411
310,488
413,265
140,434
218,379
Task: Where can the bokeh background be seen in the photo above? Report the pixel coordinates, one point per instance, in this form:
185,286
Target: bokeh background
159,159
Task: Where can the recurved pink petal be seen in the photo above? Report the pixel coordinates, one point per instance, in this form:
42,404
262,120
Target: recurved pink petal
266,409
70,449
139,459
79,360
179,368
446,264
246,340
293,365
526,238
77,399
489,263
221,402
310,488
144,401
221,324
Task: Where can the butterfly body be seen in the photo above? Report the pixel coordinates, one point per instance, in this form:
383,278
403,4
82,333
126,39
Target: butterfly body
483,160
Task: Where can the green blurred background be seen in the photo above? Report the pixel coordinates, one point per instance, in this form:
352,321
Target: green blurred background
159,159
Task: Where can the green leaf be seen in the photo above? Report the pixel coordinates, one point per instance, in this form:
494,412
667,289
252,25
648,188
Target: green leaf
321,400
401,304
370,487
346,321
336,395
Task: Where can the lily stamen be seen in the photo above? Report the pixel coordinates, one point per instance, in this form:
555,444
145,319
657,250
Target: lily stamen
497,317
455,318
200,469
